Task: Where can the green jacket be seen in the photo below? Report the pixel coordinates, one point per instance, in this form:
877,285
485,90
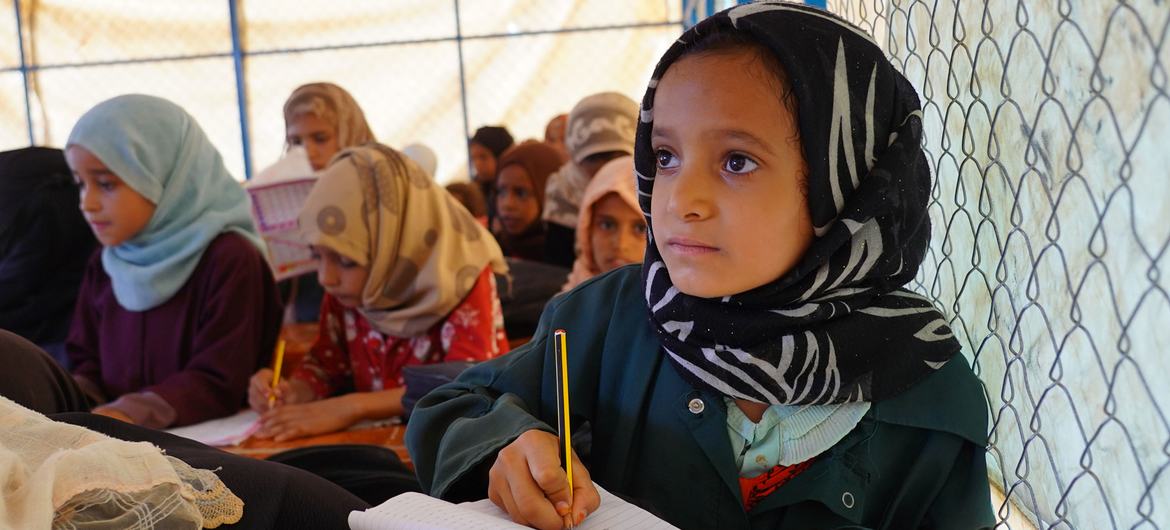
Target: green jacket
914,461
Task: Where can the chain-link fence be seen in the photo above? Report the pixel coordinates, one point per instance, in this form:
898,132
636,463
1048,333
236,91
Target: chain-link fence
1046,126
428,72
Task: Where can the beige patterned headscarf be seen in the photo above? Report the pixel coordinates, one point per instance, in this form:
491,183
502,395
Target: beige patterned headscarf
334,105
425,252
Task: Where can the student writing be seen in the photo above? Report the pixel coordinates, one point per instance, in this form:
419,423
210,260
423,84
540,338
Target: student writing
408,279
764,367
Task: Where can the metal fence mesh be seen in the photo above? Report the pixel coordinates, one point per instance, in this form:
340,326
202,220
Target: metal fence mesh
1046,126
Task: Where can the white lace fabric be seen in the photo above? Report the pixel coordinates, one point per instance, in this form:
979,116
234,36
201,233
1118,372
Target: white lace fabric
66,477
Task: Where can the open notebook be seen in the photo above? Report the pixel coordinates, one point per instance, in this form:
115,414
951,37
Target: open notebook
415,511
222,432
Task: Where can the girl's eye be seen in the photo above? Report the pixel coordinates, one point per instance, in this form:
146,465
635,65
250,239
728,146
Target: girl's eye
521,193
640,228
106,185
314,256
665,159
320,138
606,224
740,164
347,264
295,140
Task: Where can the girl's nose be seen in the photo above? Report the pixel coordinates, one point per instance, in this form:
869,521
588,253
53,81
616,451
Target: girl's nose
88,200
326,274
690,195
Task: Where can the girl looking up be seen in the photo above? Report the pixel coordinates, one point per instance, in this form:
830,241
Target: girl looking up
610,230
765,367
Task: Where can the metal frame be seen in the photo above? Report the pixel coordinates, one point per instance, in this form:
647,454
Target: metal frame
239,55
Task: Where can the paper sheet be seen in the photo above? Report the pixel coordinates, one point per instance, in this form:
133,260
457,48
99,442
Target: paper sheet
222,432
277,195
415,511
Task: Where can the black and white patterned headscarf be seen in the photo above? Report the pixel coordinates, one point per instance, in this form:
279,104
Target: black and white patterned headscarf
839,326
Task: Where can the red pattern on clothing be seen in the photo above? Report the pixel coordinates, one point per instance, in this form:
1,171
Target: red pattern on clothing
350,355
754,489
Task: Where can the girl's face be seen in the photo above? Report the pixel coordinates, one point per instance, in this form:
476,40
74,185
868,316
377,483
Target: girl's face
114,211
617,233
516,202
340,276
317,135
484,163
728,204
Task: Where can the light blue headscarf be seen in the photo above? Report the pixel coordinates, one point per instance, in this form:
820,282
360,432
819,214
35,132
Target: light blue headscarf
157,149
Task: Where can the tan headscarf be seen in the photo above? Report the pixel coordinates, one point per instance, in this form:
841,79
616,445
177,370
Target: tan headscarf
425,252
334,105
616,176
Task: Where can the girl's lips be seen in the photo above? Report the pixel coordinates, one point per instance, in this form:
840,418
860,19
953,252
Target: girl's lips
683,245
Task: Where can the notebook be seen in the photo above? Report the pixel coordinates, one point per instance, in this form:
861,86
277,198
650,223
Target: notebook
415,511
277,195
222,432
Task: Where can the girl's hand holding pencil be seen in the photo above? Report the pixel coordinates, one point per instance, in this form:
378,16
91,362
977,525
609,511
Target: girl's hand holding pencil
528,482
287,392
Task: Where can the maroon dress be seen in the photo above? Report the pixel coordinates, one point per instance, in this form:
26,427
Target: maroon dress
189,359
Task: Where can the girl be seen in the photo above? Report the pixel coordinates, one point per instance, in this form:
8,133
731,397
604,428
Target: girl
179,306
408,279
485,148
519,195
600,129
611,229
325,119
764,368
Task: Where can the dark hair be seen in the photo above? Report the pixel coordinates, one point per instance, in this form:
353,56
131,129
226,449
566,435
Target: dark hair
470,196
494,138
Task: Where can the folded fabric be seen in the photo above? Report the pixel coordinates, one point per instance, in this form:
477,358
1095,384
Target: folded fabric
63,476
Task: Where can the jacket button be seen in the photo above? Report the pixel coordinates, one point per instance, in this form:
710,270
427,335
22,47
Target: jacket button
696,406
847,499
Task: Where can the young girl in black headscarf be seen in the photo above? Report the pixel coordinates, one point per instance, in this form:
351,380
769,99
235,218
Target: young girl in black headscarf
765,367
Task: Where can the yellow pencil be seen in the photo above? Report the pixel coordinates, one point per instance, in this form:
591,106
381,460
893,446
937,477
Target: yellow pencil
276,372
561,351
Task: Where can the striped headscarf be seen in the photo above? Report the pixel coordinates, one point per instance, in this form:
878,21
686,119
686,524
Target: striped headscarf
839,326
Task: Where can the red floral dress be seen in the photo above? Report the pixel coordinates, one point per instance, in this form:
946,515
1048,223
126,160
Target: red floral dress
349,355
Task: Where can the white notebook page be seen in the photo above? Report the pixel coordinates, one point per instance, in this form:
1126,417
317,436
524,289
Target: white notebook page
415,511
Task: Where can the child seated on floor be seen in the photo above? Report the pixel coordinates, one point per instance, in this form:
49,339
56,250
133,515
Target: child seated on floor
179,306
600,128
764,367
610,230
408,279
524,170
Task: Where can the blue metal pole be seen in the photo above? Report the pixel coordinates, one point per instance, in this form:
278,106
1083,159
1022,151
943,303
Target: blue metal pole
241,89
823,4
24,73
463,90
